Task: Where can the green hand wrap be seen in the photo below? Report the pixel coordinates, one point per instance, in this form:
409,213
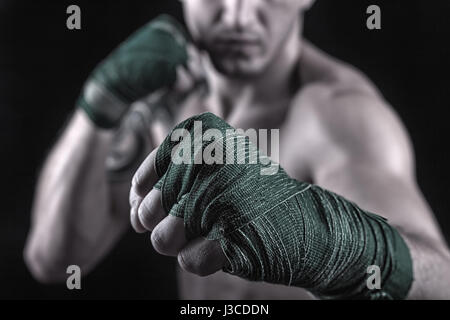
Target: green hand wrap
273,228
145,62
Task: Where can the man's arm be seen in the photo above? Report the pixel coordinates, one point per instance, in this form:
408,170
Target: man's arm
375,169
77,214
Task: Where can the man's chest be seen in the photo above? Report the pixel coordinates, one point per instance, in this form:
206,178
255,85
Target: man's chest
285,140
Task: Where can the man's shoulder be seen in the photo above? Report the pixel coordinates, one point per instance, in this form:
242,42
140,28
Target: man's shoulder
351,116
334,91
329,84
345,103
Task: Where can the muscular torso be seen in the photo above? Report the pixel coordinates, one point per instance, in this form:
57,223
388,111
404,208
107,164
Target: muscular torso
304,145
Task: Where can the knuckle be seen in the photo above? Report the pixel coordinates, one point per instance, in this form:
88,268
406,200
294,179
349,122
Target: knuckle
135,222
185,262
141,190
195,265
159,243
140,182
146,214
133,198
137,184
133,216
136,179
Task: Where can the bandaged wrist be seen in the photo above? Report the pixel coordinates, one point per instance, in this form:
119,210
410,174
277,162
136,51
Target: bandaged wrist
318,240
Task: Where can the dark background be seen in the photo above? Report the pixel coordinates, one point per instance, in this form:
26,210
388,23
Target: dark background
43,66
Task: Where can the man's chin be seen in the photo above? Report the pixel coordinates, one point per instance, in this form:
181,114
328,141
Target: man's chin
239,68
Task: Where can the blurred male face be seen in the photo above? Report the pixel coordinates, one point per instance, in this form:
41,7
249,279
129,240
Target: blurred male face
243,37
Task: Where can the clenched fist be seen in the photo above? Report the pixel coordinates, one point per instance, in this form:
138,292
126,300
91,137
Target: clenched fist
207,198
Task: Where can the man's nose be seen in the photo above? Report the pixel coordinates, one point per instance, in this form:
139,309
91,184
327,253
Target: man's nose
237,14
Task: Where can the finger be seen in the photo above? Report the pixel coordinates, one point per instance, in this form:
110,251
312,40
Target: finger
194,63
169,236
202,257
135,223
151,211
184,82
145,177
135,201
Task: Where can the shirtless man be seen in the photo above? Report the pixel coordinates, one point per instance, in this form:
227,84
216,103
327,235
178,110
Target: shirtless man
336,131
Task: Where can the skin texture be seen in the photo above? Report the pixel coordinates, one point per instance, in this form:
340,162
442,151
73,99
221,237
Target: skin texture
336,131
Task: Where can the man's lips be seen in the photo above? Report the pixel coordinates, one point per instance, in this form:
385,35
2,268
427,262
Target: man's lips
237,42
236,37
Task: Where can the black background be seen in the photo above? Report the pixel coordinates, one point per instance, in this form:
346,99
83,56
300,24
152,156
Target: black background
43,66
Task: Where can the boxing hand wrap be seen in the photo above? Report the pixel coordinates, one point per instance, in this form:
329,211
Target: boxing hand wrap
145,62
271,227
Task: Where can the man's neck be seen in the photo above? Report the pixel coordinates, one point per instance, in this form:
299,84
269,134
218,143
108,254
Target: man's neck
272,86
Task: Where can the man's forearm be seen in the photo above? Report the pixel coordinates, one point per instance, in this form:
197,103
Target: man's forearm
71,202
431,263
398,198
